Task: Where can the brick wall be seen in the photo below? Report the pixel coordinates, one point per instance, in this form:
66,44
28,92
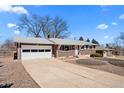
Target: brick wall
66,53
87,51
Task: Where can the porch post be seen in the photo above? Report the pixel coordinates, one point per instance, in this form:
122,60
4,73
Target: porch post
76,50
18,51
57,50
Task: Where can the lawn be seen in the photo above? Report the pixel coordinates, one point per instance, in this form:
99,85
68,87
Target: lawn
13,74
117,57
105,64
113,61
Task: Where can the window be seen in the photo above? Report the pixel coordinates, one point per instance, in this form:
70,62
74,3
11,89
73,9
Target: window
86,46
94,46
26,50
67,47
41,50
82,47
90,47
47,50
62,47
73,47
34,50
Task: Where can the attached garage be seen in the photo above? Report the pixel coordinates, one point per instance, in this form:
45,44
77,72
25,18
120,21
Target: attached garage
33,52
33,48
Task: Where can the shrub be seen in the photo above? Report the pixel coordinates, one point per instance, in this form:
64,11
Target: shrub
96,55
90,62
6,85
117,63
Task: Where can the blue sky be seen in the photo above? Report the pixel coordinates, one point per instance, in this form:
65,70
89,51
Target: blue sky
100,22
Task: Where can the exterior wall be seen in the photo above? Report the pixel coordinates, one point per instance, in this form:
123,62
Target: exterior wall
18,51
109,53
54,49
87,51
60,53
56,52
66,53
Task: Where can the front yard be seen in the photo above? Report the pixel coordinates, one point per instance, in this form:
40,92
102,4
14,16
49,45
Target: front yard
13,74
115,66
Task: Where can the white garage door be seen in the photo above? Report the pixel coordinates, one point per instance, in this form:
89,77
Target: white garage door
36,52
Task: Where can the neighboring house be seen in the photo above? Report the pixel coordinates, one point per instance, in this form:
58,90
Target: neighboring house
32,48
5,52
104,51
118,51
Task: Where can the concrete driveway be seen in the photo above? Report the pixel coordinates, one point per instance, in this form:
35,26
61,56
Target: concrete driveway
53,73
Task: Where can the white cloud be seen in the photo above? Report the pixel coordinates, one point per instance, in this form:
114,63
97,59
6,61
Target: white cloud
13,9
102,26
114,23
11,25
121,16
106,37
16,32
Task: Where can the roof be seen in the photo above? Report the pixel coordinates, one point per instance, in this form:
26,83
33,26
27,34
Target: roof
50,41
88,43
32,40
69,42
102,48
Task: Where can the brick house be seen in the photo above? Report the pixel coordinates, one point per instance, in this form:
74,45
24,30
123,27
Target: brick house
32,48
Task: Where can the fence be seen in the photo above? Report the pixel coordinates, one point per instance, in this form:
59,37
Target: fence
6,53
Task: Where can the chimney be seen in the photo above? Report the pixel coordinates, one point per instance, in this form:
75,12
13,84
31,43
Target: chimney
48,36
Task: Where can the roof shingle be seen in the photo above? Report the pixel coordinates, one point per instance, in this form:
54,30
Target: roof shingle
32,40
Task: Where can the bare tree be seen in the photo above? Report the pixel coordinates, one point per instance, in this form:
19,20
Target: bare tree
8,45
38,26
46,25
35,25
117,42
60,28
121,37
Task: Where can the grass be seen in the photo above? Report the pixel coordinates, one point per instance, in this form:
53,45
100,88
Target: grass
119,63
14,75
104,64
116,62
118,57
90,62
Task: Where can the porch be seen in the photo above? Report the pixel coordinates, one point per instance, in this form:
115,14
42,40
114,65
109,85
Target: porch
65,50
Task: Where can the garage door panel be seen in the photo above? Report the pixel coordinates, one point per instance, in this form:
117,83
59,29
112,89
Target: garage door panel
34,56
36,53
36,47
